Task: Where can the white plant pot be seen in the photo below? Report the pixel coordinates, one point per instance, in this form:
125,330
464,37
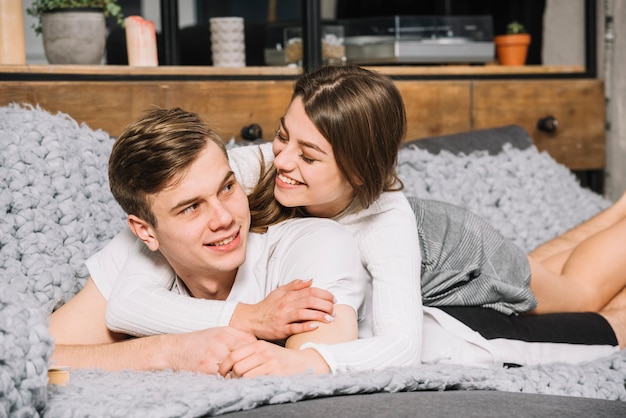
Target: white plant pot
74,37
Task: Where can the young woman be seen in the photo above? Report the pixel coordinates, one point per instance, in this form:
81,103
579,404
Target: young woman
334,156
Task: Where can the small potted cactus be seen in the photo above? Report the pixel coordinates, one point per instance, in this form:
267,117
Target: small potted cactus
512,48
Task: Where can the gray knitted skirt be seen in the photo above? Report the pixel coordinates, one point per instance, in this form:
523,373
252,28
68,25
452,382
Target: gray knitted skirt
467,262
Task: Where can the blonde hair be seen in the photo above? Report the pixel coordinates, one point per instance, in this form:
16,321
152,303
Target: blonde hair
362,115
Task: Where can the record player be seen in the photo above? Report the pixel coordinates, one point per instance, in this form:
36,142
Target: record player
419,39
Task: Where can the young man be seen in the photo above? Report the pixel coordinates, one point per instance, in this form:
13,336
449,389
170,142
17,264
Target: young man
170,173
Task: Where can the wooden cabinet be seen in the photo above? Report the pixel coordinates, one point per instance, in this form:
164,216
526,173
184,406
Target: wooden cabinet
577,105
111,97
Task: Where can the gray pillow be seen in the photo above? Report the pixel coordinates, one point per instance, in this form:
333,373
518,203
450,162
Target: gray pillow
491,140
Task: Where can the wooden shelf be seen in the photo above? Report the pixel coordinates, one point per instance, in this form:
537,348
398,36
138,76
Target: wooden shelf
482,70
121,71
160,70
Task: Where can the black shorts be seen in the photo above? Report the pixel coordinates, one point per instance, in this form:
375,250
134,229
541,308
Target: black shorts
513,340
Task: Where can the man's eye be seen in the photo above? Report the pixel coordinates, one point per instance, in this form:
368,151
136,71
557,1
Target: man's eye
228,187
190,208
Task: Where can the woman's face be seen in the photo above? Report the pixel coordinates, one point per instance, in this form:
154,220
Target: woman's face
307,173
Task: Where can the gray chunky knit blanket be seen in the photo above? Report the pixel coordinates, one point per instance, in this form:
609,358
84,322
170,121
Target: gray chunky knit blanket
56,210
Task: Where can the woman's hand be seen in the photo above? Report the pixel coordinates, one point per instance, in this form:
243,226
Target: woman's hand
265,358
290,309
262,357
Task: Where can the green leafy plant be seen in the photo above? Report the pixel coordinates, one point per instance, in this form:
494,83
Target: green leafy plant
111,8
514,28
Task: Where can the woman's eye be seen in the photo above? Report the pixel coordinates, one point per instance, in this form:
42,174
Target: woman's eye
280,137
307,159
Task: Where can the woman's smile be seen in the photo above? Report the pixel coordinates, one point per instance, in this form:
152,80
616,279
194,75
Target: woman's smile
287,180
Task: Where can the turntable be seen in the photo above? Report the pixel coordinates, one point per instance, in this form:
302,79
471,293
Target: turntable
419,39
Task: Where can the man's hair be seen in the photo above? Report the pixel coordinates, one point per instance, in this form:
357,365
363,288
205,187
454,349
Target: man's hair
362,115
152,152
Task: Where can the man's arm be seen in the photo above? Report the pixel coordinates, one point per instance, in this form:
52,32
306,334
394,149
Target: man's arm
200,351
82,340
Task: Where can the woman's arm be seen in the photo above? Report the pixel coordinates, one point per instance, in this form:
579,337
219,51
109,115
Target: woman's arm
245,162
142,304
387,237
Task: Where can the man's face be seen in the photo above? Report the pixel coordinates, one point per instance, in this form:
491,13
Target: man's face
203,222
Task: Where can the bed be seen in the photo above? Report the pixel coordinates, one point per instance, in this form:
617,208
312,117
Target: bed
57,210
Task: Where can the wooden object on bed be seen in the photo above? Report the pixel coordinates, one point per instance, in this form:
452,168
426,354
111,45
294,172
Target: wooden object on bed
467,98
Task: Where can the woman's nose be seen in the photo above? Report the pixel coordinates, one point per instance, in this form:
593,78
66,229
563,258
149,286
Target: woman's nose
285,158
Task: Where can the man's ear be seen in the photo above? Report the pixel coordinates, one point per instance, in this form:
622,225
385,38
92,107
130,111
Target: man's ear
144,231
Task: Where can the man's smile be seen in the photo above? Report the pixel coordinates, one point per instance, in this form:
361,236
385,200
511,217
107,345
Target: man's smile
224,241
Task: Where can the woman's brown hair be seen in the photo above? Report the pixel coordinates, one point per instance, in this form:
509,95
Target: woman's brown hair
362,115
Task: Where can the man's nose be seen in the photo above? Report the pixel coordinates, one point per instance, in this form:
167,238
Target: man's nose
220,216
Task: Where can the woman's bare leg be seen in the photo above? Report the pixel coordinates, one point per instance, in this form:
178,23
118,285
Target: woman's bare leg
615,314
593,274
554,252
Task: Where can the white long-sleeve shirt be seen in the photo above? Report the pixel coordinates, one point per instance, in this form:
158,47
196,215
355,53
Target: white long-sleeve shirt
386,235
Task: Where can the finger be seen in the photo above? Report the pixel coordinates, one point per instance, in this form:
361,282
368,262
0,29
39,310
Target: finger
260,370
306,314
245,366
299,328
322,294
224,367
308,301
298,284
227,364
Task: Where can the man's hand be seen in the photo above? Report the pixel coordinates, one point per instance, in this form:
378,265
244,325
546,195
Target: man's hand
290,309
204,351
265,358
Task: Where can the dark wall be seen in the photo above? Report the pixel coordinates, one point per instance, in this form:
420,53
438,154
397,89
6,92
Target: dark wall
254,11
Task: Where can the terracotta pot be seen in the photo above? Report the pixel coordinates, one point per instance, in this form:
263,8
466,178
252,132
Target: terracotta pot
74,36
512,49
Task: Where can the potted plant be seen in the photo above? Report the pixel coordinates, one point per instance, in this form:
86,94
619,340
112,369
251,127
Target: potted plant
74,31
512,48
